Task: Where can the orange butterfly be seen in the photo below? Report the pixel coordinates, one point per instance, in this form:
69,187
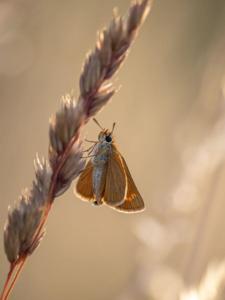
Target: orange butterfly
106,177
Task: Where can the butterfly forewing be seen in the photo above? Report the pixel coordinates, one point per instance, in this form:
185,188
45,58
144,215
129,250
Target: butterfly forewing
116,182
84,186
133,201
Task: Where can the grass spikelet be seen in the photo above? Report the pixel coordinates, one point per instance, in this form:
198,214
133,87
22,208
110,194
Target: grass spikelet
24,228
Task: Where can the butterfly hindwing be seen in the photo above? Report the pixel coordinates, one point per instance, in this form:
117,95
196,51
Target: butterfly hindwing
133,200
116,182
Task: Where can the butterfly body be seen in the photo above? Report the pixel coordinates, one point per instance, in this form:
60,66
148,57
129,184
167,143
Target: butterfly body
106,178
99,161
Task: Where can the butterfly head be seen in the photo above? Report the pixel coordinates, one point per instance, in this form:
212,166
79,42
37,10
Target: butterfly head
105,135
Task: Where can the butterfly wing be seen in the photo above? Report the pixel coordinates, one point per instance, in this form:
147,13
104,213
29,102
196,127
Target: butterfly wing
84,186
116,183
133,201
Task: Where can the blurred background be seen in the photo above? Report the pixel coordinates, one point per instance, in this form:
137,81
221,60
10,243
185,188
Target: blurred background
170,115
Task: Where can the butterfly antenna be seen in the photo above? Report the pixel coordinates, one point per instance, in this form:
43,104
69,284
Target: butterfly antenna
98,123
113,126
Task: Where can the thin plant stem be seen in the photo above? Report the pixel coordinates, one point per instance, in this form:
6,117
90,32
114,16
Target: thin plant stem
18,271
8,279
202,227
53,185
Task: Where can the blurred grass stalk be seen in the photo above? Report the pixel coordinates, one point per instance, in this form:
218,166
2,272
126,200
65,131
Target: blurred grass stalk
24,228
175,261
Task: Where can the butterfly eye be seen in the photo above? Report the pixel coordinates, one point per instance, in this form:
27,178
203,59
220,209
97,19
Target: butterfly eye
108,139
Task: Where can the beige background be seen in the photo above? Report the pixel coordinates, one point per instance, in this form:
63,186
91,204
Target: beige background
170,128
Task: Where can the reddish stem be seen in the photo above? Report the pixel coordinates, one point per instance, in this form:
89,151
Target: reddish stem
9,276
7,292
51,193
21,261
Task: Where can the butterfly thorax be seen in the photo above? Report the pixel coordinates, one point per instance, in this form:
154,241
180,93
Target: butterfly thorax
101,154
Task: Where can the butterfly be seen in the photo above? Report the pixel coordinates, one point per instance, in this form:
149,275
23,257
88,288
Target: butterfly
106,178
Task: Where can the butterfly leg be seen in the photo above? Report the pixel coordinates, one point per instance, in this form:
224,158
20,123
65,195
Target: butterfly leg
88,156
92,149
89,149
89,141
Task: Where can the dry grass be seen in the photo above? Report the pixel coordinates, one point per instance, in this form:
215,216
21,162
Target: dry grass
24,228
